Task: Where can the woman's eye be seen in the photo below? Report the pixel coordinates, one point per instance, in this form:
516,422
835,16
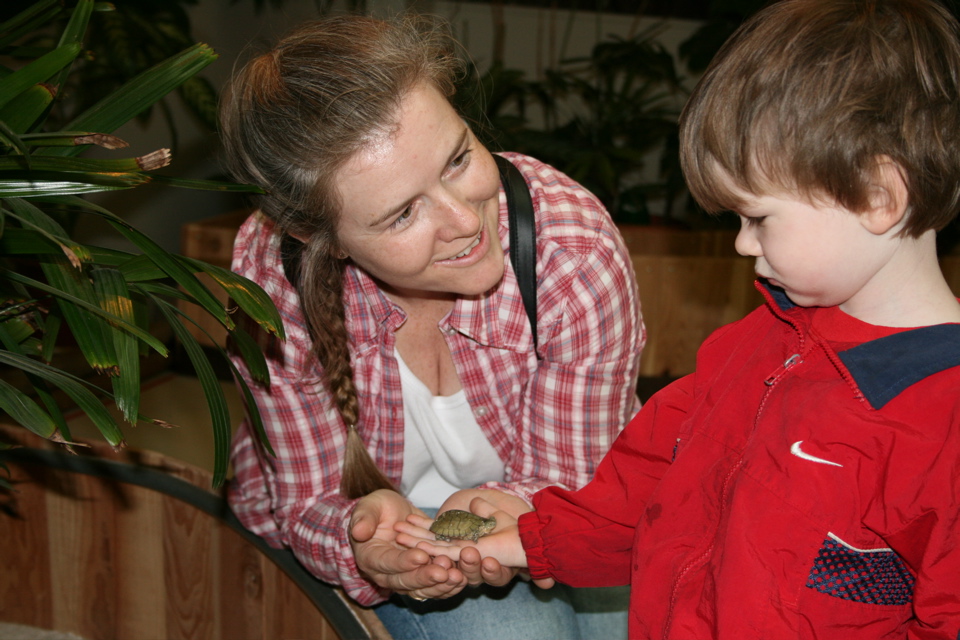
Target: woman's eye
403,217
460,160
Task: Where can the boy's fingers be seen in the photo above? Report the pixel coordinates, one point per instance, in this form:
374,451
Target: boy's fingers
434,550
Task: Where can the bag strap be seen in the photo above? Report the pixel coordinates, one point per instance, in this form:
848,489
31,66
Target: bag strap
523,237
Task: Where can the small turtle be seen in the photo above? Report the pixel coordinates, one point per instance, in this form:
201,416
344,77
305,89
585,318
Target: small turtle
461,525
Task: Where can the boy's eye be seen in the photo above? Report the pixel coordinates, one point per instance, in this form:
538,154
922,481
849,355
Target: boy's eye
754,221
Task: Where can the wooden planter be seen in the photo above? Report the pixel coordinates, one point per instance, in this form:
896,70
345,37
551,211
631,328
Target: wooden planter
135,545
690,283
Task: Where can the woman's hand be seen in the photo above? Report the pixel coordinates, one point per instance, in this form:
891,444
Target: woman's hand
387,563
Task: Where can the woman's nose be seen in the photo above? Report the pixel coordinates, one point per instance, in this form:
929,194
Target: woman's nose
457,218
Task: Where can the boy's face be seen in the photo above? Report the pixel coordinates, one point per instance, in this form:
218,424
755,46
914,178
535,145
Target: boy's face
820,254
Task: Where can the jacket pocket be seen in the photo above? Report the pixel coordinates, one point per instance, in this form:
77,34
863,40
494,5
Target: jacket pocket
867,576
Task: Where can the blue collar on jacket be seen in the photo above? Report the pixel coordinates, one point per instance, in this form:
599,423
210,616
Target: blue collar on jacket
885,367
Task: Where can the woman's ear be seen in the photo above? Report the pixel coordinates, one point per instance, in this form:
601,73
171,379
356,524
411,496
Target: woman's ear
889,197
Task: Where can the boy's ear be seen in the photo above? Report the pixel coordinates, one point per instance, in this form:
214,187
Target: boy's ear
888,197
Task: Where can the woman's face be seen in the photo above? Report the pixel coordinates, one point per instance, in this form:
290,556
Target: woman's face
420,204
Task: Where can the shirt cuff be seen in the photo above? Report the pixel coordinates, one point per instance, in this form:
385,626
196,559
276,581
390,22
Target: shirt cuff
529,527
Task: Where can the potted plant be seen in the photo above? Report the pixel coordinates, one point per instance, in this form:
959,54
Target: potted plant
108,302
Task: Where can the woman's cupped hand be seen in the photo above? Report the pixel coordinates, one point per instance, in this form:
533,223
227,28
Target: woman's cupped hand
388,563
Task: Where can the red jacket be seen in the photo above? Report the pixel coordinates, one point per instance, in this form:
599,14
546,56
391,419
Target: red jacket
803,483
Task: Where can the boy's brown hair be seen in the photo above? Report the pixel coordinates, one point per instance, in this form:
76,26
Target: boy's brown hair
808,95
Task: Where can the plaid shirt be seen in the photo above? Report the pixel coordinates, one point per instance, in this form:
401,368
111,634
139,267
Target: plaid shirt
551,415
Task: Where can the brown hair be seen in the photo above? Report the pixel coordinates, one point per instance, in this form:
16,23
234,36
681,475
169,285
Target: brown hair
808,95
290,119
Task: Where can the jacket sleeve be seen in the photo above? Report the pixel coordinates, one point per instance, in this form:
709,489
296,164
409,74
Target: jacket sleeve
585,538
292,499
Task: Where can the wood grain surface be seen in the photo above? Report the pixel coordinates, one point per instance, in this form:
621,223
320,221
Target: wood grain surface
107,560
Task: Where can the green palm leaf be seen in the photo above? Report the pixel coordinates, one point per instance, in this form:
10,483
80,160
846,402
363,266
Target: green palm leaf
36,72
247,294
139,93
27,109
25,411
216,401
75,388
86,305
114,297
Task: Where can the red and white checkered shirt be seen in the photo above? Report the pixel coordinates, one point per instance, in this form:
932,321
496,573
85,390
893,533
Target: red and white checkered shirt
550,418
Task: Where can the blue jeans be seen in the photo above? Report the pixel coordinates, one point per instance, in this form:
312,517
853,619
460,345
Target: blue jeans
518,611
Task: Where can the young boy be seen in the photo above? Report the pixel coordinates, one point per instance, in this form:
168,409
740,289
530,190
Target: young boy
805,481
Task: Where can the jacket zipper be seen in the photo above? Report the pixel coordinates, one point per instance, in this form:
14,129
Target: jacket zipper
770,381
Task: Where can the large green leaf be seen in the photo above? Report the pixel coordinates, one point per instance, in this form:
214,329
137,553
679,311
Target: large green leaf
36,72
25,411
170,264
87,306
216,401
248,295
28,184
253,412
34,219
74,32
27,109
252,354
139,93
91,333
87,165
75,388
114,298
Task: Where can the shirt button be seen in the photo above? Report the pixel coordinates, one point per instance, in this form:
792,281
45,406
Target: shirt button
481,411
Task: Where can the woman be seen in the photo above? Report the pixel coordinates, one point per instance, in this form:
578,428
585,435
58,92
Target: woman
383,241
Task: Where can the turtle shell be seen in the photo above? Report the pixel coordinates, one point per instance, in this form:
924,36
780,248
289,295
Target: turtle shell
456,524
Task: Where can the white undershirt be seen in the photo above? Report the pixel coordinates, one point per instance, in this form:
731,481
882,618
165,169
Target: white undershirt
444,448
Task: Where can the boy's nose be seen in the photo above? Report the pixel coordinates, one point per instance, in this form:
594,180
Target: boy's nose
746,243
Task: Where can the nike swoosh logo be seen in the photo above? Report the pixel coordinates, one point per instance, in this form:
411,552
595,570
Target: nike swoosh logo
797,451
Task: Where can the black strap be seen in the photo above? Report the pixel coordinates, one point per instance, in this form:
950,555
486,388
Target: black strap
523,237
